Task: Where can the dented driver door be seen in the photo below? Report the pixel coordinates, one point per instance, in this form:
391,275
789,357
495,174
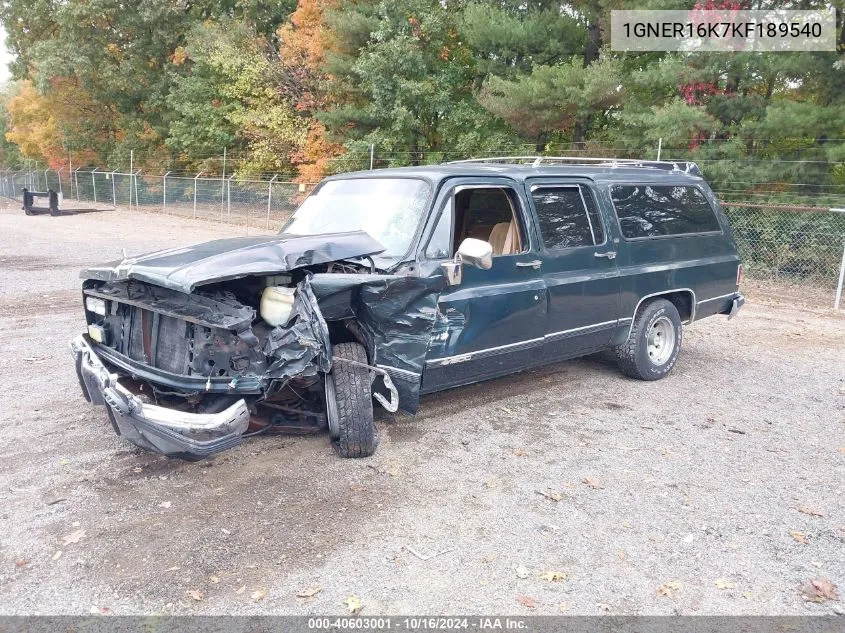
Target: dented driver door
492,323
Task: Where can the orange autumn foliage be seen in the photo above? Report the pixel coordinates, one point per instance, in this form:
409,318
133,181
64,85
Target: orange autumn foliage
39,124
304,41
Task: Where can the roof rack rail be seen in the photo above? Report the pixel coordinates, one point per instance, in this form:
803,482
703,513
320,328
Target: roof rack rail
685,166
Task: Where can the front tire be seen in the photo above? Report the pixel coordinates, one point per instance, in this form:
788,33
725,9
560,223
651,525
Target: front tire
654,342
349,403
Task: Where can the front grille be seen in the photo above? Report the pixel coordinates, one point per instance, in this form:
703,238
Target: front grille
172,349
160,341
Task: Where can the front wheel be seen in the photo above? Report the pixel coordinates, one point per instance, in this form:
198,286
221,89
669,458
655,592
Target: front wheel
654,342
349,403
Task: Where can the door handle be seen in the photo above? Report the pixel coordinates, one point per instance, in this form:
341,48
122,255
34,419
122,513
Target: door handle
534,264
608,254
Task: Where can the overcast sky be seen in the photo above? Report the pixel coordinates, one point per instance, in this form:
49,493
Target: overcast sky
4,57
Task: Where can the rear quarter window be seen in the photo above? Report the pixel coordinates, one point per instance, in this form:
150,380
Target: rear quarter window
660,210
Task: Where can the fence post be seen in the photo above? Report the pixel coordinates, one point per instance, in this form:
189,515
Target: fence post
76,180
195,192
841,279
59,176
137,201
229,196
270,197
113,192
223,185
164,192
372,155
94,184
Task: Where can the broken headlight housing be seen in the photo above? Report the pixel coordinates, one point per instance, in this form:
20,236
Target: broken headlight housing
95,305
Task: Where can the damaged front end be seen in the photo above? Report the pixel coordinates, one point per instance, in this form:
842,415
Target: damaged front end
183,374
190,374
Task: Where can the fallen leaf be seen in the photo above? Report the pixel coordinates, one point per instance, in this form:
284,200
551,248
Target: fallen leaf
521,572
811,511
527,602
518,452
721,583
258,595
819,590
841,449
800,537
214,579
309,593
95,610
57,555
73,537
506,410
668,588
593,483
21,562
240,591
553,576
550,495
489,558
225,531
165,504
174,568
195,594
353,603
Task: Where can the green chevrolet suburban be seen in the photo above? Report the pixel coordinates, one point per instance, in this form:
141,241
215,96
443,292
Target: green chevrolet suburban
392,283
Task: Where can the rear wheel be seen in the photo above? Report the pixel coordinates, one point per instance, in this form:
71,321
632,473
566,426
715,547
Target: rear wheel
654,342
349,403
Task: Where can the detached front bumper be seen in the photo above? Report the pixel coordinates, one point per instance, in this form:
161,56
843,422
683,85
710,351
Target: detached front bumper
167,431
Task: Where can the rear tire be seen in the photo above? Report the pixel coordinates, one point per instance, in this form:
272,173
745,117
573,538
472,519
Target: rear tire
652,347
349,403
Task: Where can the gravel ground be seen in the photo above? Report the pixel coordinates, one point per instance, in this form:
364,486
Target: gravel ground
719,490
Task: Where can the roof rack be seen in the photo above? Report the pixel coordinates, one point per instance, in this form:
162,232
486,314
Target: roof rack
687,167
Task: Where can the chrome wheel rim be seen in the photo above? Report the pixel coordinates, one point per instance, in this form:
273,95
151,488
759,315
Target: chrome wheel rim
661,341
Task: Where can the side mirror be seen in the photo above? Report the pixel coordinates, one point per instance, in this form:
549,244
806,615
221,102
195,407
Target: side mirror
476,253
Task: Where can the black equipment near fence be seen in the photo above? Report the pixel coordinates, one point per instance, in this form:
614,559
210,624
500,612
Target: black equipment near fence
52,201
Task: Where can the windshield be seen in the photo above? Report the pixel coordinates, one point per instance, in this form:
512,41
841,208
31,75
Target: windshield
388,209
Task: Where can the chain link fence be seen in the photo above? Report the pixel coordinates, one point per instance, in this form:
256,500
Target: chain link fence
797,244
255,203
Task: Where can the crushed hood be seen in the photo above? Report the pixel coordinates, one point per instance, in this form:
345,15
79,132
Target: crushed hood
185,268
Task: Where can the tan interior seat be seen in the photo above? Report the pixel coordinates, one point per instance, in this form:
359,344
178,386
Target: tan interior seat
481,232
504,238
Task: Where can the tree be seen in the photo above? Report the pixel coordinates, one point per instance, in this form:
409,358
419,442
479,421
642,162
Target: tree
552,98
231,97
302,53
53,126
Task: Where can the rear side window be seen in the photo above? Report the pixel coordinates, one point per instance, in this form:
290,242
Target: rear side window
568,217
654,211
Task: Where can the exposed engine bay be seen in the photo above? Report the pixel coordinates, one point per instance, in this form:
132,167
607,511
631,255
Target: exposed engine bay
261,338
192,349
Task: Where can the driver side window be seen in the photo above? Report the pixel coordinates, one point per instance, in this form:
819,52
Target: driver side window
486,213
